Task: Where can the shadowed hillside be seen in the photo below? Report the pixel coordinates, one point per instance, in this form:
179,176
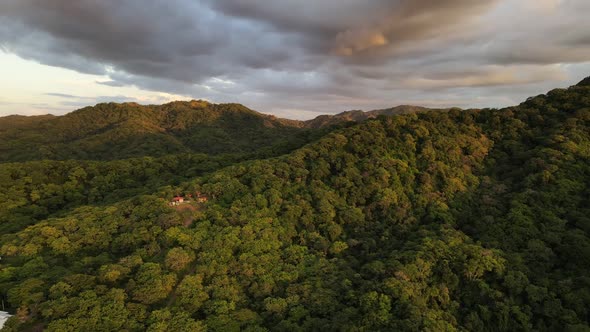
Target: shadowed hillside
115,131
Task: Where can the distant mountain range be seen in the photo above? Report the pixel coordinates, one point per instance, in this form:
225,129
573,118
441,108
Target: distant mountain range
359,116
113,130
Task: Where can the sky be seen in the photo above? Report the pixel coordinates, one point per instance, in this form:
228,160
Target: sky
291,58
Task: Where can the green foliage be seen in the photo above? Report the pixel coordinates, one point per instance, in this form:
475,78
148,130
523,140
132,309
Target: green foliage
116,131
439,221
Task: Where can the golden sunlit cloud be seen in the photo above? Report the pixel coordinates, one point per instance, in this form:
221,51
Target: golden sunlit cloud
353,41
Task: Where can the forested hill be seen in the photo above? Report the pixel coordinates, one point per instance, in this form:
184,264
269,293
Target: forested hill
360,116
474,220
116,131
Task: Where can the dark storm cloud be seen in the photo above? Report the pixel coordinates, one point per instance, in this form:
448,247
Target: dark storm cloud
142,37
307,55
349,26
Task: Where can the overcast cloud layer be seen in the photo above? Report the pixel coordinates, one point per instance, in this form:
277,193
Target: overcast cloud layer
292,56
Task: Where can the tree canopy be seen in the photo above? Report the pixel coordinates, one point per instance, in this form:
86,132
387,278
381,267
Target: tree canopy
446,220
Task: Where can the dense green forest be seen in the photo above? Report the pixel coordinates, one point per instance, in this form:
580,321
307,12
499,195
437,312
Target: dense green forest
448,220
115,131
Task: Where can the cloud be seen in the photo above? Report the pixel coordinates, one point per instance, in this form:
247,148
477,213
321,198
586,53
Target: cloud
485,77
61,95
68,100
324,56
111,83
347,27
353,41
545,5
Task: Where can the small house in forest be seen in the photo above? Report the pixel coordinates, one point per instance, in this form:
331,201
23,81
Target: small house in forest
177,200
198,197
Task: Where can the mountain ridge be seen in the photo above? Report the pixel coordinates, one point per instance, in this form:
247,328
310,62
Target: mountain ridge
175,127
458,220
319,121
125,130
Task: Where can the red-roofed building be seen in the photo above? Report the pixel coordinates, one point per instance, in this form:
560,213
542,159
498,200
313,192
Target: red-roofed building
177,200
